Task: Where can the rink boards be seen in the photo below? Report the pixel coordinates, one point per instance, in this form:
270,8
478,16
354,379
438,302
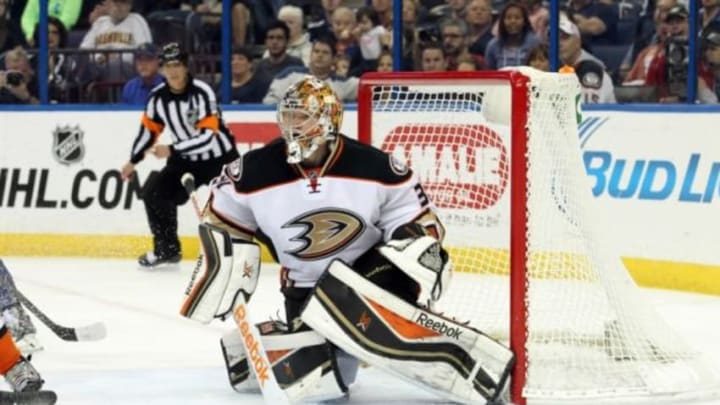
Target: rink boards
656,174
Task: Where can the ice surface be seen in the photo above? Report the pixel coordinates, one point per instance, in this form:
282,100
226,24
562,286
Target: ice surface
154,356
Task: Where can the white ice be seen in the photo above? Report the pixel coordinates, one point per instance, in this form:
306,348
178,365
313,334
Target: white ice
154,356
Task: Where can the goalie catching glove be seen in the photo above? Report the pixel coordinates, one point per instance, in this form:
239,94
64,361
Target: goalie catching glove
226,268
415,269
423,260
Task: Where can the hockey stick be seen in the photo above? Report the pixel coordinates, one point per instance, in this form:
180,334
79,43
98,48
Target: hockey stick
252,341
188,181
95,331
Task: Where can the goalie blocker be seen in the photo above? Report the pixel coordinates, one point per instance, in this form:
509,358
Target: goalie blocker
226,268
440,355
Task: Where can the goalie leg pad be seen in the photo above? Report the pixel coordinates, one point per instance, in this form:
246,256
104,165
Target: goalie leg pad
225,268
303,363
236,365
438,354
233,350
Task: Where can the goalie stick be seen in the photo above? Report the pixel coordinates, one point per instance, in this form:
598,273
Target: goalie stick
251,339
94,331
44,397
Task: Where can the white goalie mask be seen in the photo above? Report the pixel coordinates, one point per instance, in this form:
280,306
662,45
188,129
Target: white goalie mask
309,115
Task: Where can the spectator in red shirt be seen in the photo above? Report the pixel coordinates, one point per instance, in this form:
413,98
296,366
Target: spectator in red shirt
670,77
638,72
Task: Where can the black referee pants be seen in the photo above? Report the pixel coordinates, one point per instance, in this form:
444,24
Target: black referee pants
163,193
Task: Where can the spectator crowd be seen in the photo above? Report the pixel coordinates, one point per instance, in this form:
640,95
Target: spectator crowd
106,51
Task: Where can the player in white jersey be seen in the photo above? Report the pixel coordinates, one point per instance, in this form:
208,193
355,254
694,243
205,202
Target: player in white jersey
359,245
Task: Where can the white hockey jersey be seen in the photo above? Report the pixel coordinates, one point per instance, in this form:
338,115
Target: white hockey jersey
309,219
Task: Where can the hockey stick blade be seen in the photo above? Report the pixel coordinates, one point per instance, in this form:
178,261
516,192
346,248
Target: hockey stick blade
88,333
28,398
95,331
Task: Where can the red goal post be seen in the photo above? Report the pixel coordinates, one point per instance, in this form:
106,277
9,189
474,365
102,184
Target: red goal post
498,153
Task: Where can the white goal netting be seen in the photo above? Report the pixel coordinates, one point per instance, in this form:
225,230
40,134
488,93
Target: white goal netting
589,332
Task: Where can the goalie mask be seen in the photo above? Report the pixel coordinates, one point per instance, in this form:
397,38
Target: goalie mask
309,115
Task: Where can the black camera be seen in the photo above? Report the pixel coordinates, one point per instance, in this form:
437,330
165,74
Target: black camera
14,78
428,34
676,66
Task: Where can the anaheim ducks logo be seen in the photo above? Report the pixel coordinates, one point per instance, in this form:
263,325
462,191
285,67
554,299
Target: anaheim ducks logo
324,232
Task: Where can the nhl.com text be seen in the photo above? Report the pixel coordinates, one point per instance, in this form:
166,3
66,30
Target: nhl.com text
43,188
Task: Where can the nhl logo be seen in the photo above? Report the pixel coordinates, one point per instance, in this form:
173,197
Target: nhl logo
67,144
192,116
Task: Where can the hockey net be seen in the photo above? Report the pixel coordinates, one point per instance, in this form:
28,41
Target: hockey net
499,155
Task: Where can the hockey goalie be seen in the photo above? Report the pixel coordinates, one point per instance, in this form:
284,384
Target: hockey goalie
362,264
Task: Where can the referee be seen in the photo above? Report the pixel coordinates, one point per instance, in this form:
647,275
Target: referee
187,109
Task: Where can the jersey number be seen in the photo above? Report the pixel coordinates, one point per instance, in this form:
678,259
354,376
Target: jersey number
422,197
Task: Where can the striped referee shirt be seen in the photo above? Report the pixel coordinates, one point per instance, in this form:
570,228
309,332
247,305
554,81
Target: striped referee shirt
192,118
